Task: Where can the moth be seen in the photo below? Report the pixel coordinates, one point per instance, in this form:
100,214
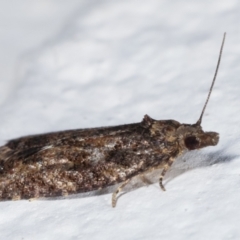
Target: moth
83,160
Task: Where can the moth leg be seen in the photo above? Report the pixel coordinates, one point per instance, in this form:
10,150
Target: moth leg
32,199
119,189
145,180
16,198
165,168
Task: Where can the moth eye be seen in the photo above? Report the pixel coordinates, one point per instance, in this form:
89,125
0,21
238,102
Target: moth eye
191,143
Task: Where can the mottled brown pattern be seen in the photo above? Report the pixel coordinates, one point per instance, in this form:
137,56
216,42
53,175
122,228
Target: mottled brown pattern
68,162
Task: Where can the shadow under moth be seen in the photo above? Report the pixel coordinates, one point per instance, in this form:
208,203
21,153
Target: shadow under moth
83,160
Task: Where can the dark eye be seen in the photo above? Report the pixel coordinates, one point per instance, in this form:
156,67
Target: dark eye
191,143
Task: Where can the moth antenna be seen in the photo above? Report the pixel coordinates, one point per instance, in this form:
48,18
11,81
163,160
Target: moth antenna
214,78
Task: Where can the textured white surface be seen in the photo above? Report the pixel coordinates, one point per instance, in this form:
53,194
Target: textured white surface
111,62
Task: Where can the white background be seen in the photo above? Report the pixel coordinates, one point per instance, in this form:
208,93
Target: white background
77,64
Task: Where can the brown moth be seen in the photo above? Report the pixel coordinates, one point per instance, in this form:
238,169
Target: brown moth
83,160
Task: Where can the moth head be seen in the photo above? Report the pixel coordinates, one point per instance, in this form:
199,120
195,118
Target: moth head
193,137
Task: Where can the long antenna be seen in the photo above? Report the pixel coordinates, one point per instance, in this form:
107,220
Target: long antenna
214,78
